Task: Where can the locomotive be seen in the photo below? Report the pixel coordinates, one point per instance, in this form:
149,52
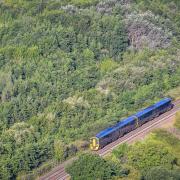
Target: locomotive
110,134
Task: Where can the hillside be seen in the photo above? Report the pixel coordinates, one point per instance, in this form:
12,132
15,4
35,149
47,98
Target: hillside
154,158
70,68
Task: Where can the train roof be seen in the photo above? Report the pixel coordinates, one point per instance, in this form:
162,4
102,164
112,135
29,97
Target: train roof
122,123
115,127
163,101
144,111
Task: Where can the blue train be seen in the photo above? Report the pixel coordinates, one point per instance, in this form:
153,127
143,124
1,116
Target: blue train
132,122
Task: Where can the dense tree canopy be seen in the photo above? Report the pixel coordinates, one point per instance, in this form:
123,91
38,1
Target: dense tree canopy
90,167
70,68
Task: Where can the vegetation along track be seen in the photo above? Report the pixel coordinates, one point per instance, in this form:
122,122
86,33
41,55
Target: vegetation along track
59,173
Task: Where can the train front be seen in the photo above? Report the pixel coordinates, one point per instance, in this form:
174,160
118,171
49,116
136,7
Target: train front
94,143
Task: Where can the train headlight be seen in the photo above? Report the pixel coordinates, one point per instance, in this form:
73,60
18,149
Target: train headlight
94,143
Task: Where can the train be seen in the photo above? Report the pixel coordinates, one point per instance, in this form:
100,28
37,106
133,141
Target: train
130,123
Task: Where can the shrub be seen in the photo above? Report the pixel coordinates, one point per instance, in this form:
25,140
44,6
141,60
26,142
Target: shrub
90,166
159,173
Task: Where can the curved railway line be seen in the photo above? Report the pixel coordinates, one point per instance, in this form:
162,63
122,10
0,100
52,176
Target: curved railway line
58,173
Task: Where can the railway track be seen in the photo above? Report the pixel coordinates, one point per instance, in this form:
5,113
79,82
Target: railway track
59,173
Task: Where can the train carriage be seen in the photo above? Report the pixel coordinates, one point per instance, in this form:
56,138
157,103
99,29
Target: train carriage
112,133
118,130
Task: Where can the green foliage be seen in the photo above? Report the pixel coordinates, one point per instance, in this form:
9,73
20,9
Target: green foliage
174,93
20,134
59,149
67,71
165,9
107,65
177,120
121,152
171,142
157,157
145,156
84,2
160,173
90,166
25,158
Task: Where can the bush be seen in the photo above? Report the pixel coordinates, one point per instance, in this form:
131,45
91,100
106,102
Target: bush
121,152
159,173
90,166
144,156
59,150
107,65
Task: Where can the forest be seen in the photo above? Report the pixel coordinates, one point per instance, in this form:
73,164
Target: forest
70,68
